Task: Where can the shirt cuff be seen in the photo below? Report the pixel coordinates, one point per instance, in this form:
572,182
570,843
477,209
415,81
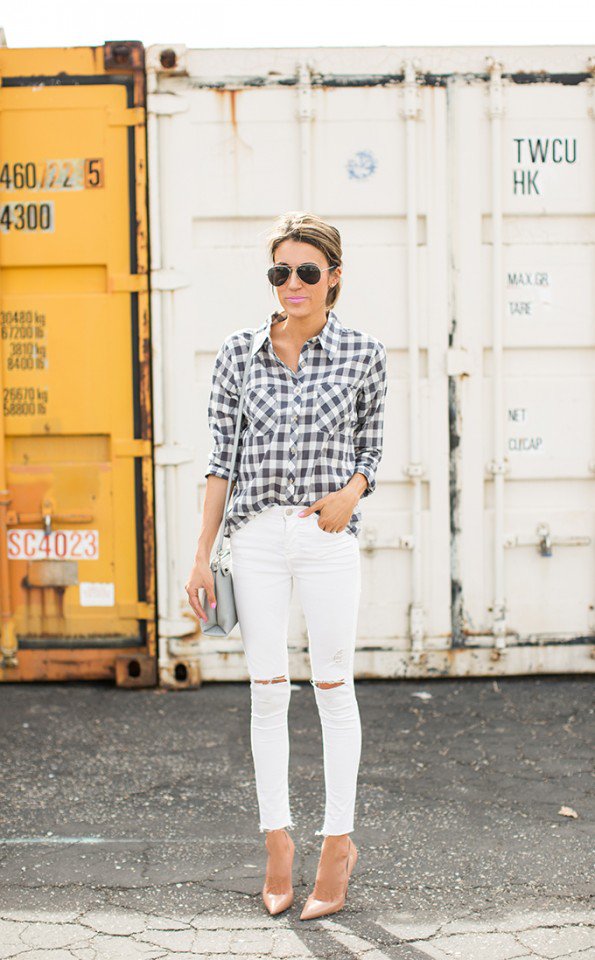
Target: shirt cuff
218,472
370,476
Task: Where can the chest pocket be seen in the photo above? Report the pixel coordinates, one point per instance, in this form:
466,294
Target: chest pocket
261,407
334,406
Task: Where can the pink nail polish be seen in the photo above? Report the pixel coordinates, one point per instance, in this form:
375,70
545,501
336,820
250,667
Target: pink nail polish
301,514
214,604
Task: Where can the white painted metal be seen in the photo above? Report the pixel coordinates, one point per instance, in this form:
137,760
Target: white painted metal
407,151
414,469
496,466
523,256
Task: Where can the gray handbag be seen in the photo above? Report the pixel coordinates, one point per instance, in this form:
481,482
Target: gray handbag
222,619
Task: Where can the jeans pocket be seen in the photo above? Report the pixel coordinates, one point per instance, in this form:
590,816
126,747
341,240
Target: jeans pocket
326,534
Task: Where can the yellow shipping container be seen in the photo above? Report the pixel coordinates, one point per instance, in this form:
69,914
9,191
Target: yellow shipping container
77,581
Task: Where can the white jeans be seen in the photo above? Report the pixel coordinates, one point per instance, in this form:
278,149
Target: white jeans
270,552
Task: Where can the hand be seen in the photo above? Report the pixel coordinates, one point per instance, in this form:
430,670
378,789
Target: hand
335,510
201,577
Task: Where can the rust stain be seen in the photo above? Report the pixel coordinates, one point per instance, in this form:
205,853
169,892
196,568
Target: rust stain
65,665
232,108
232,96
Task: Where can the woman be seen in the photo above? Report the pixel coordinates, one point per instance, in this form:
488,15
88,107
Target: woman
314,408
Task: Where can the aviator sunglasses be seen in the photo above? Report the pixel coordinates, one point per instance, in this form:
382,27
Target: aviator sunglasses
279,273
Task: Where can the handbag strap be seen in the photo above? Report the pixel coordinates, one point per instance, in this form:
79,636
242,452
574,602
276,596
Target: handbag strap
236,437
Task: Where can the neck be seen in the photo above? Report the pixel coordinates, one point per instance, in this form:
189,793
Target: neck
301,328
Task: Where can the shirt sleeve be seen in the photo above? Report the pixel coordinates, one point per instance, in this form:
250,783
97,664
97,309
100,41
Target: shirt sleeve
222,415
368,434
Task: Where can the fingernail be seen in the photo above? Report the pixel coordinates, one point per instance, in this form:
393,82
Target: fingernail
301,514
214,604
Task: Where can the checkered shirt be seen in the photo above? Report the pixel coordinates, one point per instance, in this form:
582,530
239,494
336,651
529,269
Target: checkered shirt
303,434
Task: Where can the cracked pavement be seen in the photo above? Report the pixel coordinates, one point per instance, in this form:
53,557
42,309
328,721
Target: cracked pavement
129,824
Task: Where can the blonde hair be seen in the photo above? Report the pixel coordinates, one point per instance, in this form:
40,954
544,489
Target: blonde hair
308,228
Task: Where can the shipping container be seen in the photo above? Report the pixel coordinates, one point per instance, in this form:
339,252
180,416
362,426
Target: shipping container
461,180
77,578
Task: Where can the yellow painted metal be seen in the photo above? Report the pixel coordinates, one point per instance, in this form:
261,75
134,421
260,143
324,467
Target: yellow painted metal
75,425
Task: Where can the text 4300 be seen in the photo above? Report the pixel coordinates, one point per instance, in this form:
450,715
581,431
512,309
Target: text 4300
26,217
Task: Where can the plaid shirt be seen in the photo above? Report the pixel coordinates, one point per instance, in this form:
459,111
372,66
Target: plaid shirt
303,434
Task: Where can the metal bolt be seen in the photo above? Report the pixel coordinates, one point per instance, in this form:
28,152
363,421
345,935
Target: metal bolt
168,59
121,53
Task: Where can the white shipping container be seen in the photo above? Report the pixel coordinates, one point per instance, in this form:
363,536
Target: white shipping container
462,181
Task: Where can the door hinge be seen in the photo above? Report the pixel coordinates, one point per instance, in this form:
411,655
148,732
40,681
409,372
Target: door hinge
173,454
131,448
127,282
136,611
166,280
459,362
126,117
166,104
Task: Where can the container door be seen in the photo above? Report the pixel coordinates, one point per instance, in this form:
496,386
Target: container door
524,259
76,556
228,157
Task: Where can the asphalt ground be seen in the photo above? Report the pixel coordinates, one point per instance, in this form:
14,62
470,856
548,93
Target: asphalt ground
129,823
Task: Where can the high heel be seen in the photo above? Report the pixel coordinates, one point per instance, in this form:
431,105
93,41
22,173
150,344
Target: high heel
278,902
314,907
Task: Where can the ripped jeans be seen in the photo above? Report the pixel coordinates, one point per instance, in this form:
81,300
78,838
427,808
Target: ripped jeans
269,553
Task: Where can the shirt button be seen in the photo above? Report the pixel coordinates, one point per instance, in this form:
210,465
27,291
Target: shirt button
289,511
292,450
295,417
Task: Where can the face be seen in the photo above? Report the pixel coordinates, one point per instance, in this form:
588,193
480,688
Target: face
297,298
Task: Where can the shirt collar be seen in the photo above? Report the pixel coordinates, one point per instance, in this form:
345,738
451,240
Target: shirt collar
329,336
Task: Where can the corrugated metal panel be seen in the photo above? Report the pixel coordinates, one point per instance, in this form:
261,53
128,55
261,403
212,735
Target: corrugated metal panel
76,538
523,269
397,148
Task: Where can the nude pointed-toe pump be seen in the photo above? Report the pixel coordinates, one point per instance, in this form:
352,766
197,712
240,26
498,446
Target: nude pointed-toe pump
278,902
320,908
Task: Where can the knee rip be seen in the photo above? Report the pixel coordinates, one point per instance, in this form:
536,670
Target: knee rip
280,679
321,684
326,684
